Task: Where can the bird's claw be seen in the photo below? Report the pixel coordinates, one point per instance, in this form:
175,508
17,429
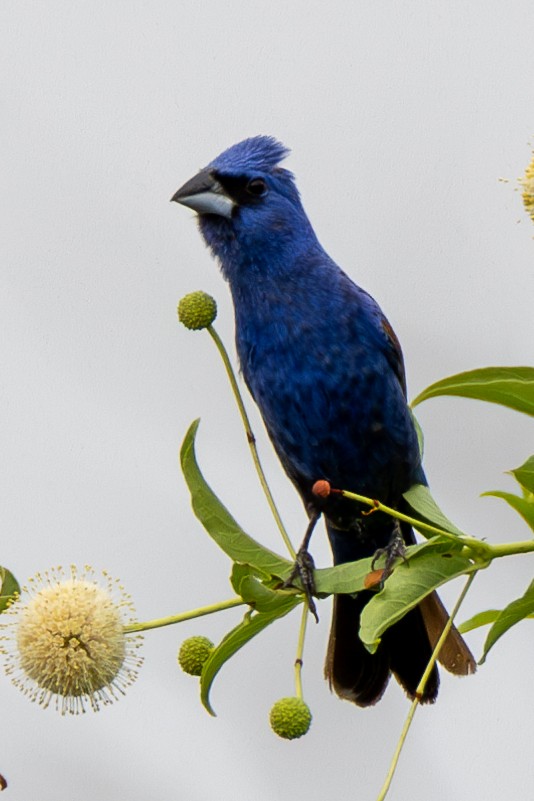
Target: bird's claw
396,549
303,570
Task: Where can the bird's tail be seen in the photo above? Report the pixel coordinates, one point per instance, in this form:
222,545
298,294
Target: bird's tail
405,649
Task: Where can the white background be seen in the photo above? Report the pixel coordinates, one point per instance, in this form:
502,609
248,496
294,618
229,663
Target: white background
402,117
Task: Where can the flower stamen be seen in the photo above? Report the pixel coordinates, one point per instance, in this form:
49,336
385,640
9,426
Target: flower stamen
65,640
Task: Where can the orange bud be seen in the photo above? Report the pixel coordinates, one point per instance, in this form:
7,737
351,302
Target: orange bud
321,488
373,579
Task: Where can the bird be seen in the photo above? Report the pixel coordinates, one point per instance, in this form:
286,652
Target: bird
326,371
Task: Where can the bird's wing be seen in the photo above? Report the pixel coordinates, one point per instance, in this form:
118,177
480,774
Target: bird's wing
393,352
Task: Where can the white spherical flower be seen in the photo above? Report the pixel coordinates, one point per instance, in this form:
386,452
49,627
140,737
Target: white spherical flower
64,639
527,183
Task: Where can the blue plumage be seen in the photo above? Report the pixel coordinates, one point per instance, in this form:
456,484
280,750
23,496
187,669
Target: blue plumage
254,155
326,371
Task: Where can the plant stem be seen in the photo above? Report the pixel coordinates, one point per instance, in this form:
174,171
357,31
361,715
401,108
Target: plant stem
192,613
510,549
420,690
483,552
251,438
300,651
481,549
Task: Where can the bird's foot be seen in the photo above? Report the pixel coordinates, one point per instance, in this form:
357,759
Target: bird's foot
303,570
396,549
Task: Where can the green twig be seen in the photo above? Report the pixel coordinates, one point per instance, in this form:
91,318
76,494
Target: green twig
483,552
300,651
192,613
481,549
420,690
510,549
251,438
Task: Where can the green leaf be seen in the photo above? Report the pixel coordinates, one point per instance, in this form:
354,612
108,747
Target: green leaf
9,586
421,500
253,623
483,619
345,578
239,571
518,610
350,577
253,589
408,585
478,620
419,432
525,475
521,505
509,386
218,521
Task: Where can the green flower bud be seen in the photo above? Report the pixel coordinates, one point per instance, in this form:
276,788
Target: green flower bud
197,310
290,718
193,653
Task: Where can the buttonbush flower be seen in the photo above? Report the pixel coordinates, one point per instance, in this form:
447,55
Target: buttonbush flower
64,640
527,182
193,653
290,718
197,310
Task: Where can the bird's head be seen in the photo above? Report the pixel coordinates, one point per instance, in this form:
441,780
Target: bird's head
248,206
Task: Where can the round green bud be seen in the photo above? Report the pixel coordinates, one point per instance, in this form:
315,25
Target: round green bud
290,718
193,653
197,310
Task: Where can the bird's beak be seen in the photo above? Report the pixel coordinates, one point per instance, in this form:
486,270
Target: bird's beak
205,195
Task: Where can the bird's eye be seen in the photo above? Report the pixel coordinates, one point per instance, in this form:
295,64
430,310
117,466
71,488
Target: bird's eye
257,187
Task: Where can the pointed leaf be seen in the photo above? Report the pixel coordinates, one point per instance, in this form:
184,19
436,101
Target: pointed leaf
518,610
346,578
407,586
256,589
419,432
421,500
240,571
478,620
509,386
260,597
525,475
252,624
218,521
521,505
350,577
9,587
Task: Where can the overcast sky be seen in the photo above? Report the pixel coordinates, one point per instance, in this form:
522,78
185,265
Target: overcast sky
402,118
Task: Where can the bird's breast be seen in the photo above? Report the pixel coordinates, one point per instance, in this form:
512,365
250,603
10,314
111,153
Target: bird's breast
333,407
